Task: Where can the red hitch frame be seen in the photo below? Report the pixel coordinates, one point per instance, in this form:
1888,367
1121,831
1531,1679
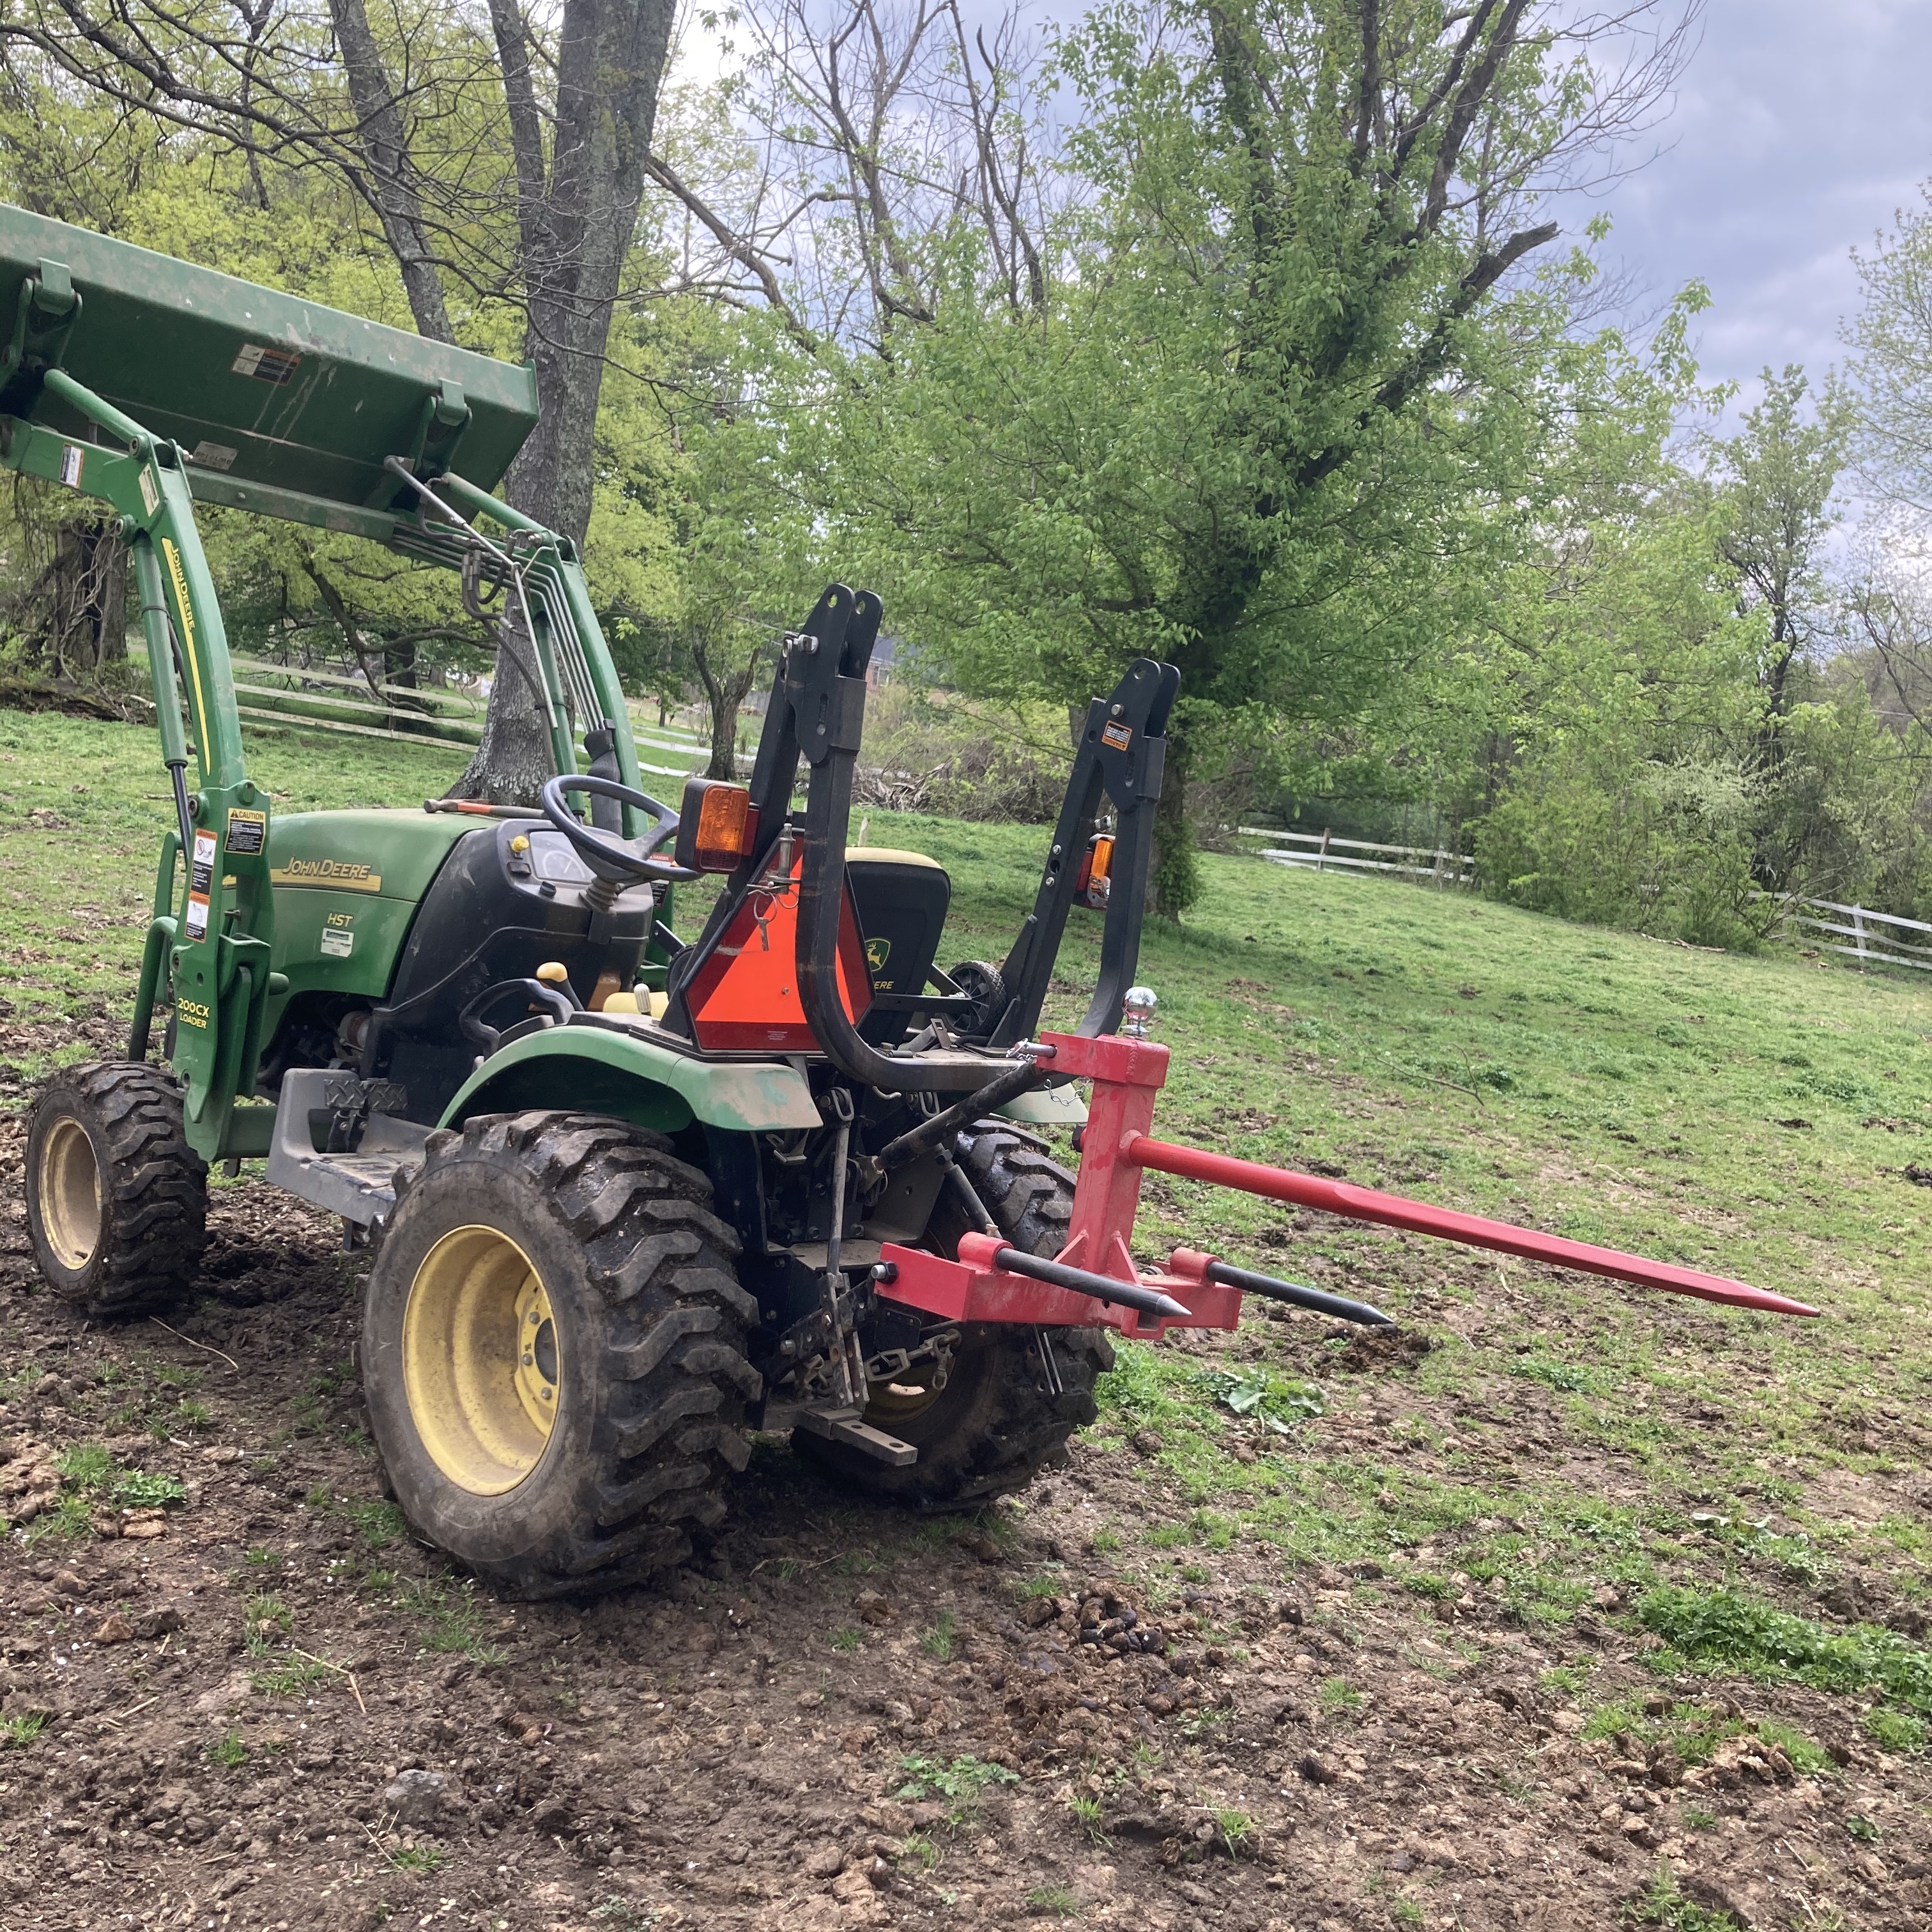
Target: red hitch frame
1116,1150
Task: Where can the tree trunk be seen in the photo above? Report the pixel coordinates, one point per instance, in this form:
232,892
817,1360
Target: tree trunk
384,143
724,692
513,759
578,223
578,214
82,626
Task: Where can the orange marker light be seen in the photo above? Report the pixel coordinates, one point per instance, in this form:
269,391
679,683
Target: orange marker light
716,825
1095,883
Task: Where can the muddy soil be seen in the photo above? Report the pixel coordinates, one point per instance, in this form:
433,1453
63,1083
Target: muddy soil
261,1705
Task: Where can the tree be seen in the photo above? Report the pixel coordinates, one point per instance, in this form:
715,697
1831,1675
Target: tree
501,168
1891,374
1775,482
1217,384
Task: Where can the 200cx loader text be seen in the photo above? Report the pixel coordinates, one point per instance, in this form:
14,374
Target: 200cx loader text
630,1196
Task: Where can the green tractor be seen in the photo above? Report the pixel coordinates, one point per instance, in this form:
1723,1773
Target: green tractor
631,1196
623,1207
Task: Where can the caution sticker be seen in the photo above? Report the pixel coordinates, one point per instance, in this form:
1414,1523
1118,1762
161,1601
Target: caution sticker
248,831
1119,736
151,492
266,365
338,942
200,881
72,457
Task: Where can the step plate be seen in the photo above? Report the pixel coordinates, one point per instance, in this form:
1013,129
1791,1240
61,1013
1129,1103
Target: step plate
359,1186
842,1426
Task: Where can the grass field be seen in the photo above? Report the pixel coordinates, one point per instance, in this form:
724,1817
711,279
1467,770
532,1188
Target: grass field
1669,1540
1757,1117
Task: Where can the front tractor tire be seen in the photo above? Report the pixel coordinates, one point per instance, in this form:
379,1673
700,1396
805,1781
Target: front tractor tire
117,1200
553,1352
999,1420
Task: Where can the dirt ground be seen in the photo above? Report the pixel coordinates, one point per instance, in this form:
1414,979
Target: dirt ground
845,1717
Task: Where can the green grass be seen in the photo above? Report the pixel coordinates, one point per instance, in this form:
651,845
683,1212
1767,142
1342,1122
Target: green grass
289,1678
939,1641
451,1618
17,1733
1087,1814
1725,1631
1055,1900
1662,1905
228,1749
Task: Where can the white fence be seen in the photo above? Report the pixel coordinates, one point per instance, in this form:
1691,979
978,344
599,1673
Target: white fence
1321,852
1873,934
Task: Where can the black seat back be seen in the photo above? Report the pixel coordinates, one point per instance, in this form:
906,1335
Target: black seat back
901,899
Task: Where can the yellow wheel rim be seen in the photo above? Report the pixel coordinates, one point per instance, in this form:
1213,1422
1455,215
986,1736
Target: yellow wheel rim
69,1194
910,1394
480,1361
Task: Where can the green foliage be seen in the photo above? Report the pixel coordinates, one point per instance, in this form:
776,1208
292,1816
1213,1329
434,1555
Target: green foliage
1279,1402
135,1489
17,1733
961,1783
228,1751
939,1641
1337,1697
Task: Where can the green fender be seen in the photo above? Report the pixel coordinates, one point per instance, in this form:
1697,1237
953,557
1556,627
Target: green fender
599,1070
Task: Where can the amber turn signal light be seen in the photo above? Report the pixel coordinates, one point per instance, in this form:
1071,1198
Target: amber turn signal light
716,825
1095,882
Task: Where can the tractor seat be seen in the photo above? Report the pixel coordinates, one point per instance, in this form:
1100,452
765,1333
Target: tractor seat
901,898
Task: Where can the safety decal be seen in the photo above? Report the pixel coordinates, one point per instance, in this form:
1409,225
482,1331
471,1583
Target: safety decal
1118,735
200,883
151,492
340,874
72,457
338,942
266,365
248,831
206,455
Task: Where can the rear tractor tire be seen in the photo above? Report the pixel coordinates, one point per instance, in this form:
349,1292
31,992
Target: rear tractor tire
999,1420
553,1352
117,1200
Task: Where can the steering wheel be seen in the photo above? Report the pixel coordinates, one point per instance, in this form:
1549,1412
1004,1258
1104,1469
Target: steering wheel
606,853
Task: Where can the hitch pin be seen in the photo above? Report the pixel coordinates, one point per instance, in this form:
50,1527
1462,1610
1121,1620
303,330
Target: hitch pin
1031,1049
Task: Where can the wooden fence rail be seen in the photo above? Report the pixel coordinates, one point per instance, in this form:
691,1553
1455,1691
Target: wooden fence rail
1872,934
1321,851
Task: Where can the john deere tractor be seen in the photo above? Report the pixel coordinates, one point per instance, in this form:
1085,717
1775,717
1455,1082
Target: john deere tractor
631,1196
625,1191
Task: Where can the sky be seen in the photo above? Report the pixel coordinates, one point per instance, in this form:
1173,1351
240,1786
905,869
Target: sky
1799,127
